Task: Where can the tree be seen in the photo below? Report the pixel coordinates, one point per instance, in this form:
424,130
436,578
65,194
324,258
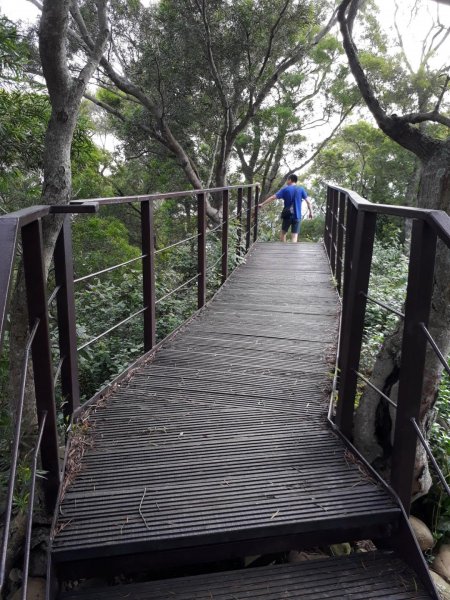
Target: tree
365,160
416,131
197,70
66,92
279,132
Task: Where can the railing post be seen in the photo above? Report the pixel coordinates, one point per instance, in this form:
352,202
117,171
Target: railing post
239,221
327,232
351,216
350,228
33,262
225,215
65,302
201,240
340,240
334,207
148,274
417,309
255,231
249,219
352,334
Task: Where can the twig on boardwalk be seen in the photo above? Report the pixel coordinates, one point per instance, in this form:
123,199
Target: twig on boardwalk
140,509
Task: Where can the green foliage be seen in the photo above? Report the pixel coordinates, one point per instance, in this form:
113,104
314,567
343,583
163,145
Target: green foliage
387,284
13,51
100,242
362,158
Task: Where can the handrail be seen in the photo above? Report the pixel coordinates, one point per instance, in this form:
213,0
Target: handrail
162,196
349,237
438,219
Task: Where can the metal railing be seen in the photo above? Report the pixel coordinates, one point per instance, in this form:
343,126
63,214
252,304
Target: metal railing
349,239
26,227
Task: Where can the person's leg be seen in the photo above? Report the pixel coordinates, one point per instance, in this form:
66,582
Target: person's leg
285,223
295,225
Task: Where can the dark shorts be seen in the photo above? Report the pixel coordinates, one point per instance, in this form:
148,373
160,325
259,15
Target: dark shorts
294,224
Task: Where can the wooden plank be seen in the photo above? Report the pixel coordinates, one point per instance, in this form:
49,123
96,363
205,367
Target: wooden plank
361,576
223,437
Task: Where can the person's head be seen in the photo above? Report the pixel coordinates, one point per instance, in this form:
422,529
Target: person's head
292,178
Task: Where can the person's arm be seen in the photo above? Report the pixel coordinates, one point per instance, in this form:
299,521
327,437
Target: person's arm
309,207
267,200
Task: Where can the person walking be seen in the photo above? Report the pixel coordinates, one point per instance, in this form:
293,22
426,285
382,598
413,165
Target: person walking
291,215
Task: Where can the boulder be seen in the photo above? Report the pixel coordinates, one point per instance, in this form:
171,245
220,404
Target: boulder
441,563
423,534
442,586
296,557
35,590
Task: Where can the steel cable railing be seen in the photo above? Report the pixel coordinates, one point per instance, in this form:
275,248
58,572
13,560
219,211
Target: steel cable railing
427,449
180,287
109,269
188,239
29,525
101,335
15,453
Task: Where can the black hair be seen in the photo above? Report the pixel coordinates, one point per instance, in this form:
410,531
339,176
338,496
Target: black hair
292,177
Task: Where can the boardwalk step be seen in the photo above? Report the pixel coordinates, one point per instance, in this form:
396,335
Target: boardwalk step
366,576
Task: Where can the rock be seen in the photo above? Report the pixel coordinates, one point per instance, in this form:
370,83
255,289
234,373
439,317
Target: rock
35,590
442,586
15,575
295,556
423,534
38,562
441,563
341,549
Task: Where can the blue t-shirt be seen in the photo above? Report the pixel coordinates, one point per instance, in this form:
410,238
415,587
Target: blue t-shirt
293,196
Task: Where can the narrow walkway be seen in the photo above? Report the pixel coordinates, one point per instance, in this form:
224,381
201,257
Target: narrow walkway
223,438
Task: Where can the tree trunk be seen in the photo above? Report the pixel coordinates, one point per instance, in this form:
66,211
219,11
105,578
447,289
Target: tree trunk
56,190
374,419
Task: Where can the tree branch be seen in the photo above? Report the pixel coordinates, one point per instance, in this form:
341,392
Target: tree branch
400,131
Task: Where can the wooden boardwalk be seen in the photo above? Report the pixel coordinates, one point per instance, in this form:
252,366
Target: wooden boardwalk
222,441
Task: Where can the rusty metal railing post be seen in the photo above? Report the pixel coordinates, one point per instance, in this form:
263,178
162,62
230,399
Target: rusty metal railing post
334,209
354,312
225,216
255,230
239,221
201,240
65,301
417,309
327,232
248,229
148,274
350,228
340,240
33,262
